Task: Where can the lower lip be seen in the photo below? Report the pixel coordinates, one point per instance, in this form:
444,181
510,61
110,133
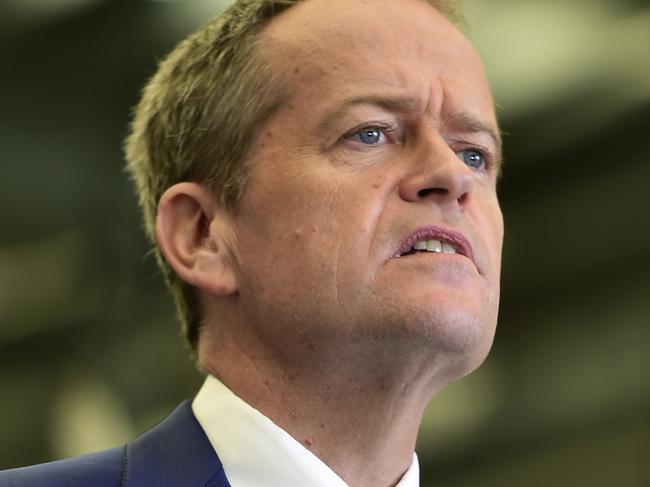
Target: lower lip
437,257
448,269
440,254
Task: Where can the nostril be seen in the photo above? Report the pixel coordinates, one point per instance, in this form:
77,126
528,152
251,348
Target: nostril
423,193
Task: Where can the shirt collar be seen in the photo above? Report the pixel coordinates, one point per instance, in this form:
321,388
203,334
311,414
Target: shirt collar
255,452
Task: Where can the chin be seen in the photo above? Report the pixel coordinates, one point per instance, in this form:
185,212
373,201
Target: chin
463,336
455,331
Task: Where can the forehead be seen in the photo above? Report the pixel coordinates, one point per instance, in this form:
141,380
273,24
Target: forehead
338,21
342,48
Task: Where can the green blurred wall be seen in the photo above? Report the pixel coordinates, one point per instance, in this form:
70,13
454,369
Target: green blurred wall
90,353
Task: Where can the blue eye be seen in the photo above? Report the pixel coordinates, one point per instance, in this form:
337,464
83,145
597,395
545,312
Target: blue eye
472,158
368,135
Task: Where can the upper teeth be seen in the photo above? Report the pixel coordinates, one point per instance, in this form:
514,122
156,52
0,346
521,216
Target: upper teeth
435,246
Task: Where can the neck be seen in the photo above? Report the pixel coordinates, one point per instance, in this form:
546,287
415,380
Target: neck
360,418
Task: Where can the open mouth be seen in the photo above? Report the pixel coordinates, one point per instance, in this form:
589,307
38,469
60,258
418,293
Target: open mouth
436,240
430,246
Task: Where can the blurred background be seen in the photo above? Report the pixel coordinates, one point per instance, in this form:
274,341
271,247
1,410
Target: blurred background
91,355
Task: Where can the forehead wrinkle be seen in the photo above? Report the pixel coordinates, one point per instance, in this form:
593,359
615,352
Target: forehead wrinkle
393,104
466,122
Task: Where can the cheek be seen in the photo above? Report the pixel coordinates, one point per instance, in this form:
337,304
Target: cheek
490,220
290,226
498,229
496,245
314,220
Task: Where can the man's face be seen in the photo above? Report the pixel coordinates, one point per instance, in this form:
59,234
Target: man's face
387,140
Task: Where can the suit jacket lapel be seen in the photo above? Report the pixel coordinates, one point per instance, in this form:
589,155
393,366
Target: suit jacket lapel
176,453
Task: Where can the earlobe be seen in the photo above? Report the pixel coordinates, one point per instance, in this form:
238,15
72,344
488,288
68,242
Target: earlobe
194,237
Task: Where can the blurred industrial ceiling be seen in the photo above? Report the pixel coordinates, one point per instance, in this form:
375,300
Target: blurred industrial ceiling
85,321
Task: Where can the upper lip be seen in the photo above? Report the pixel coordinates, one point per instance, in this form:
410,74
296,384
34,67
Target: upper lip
453,237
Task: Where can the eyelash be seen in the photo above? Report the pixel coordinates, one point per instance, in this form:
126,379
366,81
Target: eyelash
485,154
388,129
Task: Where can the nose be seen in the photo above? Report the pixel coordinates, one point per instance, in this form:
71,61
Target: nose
438,176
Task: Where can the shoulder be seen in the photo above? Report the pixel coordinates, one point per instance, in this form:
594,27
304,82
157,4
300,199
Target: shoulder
102,469
175,453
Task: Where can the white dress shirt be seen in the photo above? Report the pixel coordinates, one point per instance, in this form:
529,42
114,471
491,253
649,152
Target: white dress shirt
255,452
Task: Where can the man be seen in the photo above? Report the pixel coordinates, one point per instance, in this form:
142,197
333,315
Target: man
320,178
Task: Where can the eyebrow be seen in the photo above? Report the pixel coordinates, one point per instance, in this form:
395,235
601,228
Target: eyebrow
465,122
461,121
394,104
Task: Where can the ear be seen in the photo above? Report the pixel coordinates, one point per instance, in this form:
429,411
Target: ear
193,234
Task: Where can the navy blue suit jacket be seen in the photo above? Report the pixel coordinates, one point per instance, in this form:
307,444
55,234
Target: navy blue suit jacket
175,453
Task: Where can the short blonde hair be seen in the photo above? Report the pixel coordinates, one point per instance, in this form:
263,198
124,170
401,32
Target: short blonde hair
198,118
